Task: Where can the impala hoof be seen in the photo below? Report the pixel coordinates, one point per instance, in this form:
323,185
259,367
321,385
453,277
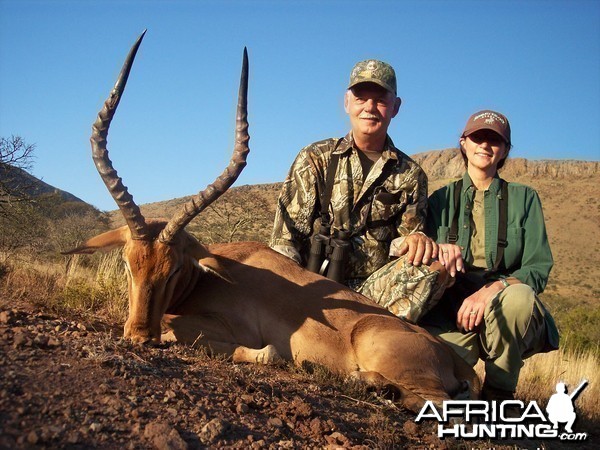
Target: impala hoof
268,355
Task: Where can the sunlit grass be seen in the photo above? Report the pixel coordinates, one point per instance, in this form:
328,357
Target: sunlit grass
541,372
96,289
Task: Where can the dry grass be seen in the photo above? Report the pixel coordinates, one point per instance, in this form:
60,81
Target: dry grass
89,287
541,373
101,290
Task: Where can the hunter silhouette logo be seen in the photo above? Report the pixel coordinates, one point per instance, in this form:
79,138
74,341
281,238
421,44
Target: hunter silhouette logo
560,406
508,419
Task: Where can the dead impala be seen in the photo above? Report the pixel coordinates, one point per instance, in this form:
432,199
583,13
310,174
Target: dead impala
253,304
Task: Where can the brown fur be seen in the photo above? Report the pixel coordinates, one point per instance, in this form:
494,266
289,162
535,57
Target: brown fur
253,304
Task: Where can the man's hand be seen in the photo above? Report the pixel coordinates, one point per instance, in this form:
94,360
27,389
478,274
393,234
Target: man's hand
417,247
450,256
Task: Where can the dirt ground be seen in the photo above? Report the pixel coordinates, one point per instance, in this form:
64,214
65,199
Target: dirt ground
68,384
78,385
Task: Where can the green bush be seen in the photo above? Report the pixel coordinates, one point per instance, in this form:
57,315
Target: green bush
580,328
578,323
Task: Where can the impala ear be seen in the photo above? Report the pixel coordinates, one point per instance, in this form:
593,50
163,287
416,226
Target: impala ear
212,265
207,261
103,242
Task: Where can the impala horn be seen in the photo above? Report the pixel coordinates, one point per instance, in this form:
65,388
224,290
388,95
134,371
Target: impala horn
238,161
131,212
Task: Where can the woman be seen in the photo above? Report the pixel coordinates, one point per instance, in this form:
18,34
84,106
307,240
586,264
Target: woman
493,238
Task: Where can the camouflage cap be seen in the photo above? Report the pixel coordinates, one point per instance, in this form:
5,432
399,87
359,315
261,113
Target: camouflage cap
373,71
488,120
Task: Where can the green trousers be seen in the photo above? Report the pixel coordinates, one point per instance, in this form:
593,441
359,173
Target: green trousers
516,325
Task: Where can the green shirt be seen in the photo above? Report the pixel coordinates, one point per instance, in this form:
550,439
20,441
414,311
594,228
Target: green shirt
527,256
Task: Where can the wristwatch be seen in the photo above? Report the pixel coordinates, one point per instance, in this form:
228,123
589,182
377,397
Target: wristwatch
504,282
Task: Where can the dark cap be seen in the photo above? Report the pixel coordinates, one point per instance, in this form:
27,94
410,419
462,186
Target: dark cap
488,120
373,71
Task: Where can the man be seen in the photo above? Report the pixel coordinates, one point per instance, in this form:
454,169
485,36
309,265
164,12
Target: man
372,192
560,408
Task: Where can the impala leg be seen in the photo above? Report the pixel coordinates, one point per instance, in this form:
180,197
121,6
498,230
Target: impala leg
266,355
200,332
405,397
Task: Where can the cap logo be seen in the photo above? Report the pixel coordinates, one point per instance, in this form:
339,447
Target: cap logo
369,71
376,71
489,118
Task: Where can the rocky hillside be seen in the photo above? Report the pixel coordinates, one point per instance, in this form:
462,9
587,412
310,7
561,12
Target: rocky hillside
447,164
440,166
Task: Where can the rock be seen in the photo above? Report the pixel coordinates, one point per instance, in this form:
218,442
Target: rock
33,437
40,340
242,408
5,316
212,430
275,422
410,427
73,438
164,437
19,339
169,395
53,342
246,398
337,440
95,427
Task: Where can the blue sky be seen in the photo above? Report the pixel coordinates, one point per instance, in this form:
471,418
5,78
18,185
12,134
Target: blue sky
538,62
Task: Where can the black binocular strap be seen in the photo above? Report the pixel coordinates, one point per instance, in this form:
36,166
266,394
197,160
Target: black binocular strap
453,232
502,220
328,188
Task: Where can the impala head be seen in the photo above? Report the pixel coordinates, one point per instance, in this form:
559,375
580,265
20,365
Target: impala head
160,256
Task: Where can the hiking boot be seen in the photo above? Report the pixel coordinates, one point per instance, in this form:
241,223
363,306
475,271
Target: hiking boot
490,394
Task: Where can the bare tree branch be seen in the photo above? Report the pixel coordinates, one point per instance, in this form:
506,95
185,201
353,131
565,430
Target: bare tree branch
16,157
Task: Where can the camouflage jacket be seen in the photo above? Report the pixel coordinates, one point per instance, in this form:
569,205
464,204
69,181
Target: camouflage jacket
390,202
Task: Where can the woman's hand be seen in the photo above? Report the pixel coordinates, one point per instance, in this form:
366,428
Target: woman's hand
471,312
450,256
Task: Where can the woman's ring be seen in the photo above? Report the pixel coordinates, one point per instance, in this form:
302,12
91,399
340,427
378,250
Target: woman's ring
472,313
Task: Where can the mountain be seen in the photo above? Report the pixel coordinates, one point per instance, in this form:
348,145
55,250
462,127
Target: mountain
18,180
448,164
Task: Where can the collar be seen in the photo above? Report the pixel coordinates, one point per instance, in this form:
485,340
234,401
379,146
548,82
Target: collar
494,188
346,144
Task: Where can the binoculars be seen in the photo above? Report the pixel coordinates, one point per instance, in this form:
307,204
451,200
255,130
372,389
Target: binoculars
329,254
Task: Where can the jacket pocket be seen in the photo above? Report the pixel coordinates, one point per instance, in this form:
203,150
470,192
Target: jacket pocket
385,207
